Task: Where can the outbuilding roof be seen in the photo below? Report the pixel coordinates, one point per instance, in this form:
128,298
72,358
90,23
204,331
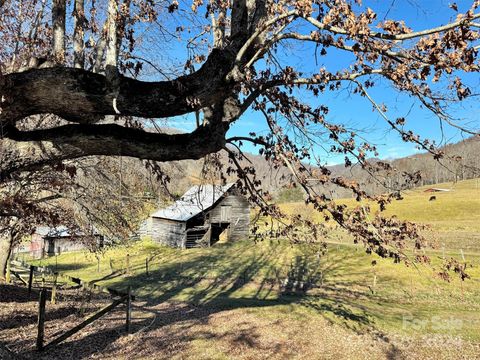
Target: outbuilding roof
198,199
59,231
437,190
46,231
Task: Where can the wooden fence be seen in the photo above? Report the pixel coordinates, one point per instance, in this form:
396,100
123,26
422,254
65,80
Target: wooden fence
41,319
126,298
45,270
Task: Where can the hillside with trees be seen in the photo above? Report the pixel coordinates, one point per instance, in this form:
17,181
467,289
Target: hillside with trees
461,163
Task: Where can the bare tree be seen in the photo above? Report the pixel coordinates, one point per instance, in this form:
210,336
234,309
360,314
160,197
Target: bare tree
59,8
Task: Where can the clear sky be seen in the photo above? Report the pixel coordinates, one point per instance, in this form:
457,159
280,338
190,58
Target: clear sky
354,110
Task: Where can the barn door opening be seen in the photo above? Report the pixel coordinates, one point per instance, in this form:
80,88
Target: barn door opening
219,231
50,246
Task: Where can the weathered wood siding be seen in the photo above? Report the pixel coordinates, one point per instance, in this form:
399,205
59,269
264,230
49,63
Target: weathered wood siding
168,232
58,245
238,215
61,245
145,228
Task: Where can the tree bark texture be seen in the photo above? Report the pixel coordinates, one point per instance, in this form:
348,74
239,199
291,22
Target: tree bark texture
58,22
5,251
78,35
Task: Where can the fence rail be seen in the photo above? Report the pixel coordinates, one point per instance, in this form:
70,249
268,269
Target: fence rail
46,270
126,298
87,321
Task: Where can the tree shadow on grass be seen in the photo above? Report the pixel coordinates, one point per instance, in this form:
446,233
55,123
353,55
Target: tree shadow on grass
255,281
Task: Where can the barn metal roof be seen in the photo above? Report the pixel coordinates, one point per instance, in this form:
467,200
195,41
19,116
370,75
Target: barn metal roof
60,231
46,231
437,190
196,200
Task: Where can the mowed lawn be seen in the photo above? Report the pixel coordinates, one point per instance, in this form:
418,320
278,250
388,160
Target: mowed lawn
245,280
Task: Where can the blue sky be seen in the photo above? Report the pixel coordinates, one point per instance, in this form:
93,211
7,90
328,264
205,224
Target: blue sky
353,110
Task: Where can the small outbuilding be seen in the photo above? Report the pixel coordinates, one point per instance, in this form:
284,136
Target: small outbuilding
202,216
431,190
48,241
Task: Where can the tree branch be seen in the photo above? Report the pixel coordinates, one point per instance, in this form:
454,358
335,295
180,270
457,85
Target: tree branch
26,150
81,96
395,37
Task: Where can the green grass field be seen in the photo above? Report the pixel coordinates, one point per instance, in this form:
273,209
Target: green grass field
454,216
246,272
390,299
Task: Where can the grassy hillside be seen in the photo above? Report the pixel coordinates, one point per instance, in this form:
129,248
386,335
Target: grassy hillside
454,216
241,286
458,209
244,271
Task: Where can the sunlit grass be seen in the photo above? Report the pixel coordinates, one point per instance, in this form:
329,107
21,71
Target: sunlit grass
245,274
401,300
454,216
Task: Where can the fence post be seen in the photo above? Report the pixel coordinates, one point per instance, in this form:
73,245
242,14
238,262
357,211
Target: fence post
41,319
85,294
30,280
128,264
146,265
54,288
129,309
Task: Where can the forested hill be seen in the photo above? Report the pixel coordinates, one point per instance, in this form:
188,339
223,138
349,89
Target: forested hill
461,162
467,165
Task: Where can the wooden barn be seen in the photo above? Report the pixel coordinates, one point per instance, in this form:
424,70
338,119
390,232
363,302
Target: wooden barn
202,216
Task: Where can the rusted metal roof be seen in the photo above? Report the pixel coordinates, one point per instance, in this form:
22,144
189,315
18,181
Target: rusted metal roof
436,190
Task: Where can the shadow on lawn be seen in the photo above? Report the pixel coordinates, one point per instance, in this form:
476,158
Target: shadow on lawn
259,280
243,282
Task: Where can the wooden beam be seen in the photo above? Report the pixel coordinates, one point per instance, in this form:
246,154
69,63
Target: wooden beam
19,277
86,322
129,310
54,289
93,286
75,280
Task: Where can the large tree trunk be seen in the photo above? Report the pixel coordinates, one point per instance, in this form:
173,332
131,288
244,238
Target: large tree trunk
6,243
